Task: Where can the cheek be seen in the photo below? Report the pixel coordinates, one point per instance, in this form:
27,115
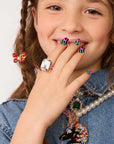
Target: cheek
45,25
100,30
45,28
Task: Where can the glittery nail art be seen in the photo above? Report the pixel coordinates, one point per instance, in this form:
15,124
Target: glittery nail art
77,41
64,41
90,71
35,70
81,50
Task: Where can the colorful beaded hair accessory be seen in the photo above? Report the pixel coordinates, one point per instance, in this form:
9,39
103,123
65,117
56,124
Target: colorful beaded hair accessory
20,58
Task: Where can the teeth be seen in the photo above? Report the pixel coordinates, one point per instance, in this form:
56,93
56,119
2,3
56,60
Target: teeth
58,42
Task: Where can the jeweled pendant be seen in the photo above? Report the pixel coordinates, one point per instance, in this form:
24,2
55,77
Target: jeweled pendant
76,132
75,105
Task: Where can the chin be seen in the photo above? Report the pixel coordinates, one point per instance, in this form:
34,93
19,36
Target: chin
82,65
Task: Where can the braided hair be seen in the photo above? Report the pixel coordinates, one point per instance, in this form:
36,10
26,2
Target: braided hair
26,41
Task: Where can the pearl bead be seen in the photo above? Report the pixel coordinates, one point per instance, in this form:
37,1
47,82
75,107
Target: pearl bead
92,106
87,108
100,99
109,94
83,111
105,97
79,114
97,102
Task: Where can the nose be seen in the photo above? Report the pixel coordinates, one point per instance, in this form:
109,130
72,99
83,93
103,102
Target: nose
72,23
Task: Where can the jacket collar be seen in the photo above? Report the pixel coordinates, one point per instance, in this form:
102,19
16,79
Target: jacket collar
98,82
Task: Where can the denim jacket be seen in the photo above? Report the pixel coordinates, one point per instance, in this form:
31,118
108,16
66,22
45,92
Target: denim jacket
99,121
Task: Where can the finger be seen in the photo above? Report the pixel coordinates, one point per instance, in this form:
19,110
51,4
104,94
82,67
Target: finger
54,55
58,50
71,65
78,82
65,57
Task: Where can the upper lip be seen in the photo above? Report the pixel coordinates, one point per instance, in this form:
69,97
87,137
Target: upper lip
72,40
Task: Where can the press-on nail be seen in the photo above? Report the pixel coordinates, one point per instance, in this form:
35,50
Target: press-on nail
82,49
35,70
65,41
90,71
77,41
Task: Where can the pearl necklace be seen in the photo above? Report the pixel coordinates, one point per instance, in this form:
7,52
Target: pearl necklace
88,108
78,132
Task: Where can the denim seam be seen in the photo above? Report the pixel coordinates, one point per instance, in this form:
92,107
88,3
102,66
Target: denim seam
102,87
92,89
5,118
7,131
15,100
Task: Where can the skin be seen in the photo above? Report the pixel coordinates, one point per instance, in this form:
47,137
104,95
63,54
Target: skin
53,90
52,24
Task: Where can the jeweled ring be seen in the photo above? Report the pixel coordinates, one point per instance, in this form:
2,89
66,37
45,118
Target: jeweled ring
46,65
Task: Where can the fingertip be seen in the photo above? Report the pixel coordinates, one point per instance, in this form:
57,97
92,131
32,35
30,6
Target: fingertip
64,41
88,74
36,70
90,71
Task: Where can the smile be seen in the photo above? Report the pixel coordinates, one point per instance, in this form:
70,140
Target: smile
70,41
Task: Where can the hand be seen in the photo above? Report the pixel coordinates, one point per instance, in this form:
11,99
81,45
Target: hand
51,92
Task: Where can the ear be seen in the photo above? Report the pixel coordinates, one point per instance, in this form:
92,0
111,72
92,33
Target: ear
34,13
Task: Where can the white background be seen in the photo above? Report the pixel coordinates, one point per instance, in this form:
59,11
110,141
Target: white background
10,75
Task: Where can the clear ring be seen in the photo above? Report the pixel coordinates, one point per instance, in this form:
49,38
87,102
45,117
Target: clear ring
46,65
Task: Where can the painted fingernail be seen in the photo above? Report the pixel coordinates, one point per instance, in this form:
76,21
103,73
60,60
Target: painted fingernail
51,67
90,71
81,49
77,41
35,70
64,41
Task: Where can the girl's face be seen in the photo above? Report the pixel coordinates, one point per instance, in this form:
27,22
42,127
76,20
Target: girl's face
89,20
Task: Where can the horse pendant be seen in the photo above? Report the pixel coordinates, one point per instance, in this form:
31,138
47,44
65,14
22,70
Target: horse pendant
76,132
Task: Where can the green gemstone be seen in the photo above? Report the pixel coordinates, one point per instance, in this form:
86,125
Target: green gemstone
76,105
79,129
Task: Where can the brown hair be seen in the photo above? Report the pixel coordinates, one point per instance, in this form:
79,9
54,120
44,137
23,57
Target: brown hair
27,41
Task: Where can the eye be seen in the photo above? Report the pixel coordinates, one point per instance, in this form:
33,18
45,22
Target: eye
54,7
93,12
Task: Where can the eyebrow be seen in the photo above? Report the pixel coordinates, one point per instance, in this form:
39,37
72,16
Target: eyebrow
95,1
99,1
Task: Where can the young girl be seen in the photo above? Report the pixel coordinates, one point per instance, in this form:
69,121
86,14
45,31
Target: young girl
60,101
